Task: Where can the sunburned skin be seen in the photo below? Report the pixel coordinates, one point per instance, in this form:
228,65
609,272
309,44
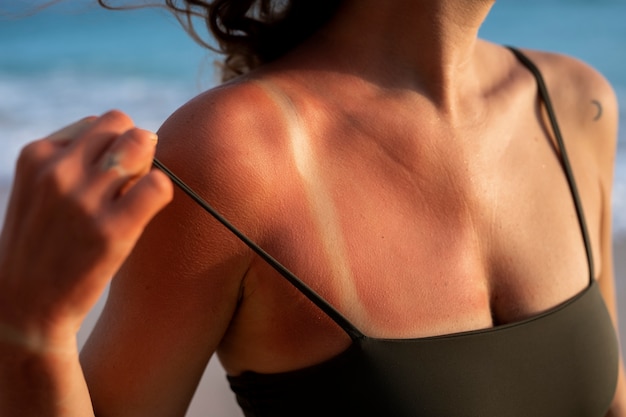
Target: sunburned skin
321,206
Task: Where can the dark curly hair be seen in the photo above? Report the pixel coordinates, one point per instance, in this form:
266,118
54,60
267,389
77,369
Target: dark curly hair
249,33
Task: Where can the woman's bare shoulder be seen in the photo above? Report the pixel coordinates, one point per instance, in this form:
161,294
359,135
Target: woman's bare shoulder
584,101
580,92
228,142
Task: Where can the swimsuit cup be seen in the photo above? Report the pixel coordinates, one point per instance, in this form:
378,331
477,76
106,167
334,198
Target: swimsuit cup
560,363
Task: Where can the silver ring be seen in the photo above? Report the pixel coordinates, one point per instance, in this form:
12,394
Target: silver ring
111,161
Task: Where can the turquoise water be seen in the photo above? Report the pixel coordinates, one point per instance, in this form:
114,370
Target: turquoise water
74,59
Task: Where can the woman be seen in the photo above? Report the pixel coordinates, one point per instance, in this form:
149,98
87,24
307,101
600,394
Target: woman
437,255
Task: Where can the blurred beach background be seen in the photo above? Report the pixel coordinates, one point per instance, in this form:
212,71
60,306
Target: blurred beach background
75,59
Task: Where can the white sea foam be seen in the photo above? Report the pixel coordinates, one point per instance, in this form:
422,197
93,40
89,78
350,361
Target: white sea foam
57,68
31,107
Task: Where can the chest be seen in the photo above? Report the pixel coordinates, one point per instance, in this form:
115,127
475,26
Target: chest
433,262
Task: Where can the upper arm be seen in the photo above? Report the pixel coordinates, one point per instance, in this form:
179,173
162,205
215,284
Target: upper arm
587,110
171,303
589,104
594,130
593,104
605,154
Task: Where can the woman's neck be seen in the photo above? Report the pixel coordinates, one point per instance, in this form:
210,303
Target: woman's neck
428,45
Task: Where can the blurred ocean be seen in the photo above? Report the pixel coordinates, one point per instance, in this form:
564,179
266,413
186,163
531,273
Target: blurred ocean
74,59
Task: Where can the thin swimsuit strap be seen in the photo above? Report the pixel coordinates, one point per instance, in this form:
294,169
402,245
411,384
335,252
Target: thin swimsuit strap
334,314
543,92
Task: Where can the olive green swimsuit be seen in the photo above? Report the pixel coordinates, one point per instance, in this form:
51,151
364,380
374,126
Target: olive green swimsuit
561,363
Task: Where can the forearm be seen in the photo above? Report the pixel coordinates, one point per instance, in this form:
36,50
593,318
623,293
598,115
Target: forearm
81,198
41,382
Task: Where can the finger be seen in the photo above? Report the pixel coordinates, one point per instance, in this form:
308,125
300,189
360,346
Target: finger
127,158
99,135
72,131
130,153
142,201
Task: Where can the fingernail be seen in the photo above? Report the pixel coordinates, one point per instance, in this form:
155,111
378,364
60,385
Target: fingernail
150,134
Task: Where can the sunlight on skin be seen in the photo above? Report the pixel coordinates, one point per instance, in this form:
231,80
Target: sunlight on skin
320,201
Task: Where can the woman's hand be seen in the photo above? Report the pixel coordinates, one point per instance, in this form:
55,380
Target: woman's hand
81,198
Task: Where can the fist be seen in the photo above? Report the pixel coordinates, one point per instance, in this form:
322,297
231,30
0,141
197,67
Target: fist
80,200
